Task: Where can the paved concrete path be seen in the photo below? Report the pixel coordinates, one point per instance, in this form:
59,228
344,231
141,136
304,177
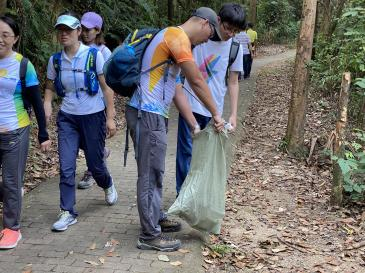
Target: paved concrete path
104,239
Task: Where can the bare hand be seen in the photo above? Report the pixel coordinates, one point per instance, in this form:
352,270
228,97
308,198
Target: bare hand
111,129
196,130
233,121
46,145
218,123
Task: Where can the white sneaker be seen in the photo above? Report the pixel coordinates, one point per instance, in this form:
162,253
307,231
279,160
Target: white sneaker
65,219
111,195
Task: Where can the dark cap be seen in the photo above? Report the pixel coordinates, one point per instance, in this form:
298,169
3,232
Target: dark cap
210,15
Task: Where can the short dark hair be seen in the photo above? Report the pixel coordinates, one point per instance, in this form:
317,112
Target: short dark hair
233,14
249,25
11,23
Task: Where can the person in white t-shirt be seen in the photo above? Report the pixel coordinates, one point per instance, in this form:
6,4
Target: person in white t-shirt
92,36
212,59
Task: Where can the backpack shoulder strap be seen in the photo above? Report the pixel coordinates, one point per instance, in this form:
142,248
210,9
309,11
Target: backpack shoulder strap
91,59
233,52
23,72
57,62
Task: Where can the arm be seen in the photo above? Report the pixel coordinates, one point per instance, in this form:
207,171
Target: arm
201,89
48,97
110,110
33,95
184,108
233,90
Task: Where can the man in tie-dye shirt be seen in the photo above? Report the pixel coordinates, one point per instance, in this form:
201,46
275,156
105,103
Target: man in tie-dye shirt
147,114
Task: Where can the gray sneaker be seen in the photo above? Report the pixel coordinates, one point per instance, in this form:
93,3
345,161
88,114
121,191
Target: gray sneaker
86,181
111,195
65,219
161,243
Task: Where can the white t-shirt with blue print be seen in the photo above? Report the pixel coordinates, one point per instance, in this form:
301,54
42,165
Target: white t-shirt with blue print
77,102
212,60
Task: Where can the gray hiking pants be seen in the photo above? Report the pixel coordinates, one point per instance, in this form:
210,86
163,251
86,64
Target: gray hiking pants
13,154
152,146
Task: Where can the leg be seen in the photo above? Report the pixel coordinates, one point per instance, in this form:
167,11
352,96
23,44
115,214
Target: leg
93,134
13,148
249,65
68,144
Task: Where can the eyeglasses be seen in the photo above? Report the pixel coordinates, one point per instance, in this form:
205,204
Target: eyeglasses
6,36
230,29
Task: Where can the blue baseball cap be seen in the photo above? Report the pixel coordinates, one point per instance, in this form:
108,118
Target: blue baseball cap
68,20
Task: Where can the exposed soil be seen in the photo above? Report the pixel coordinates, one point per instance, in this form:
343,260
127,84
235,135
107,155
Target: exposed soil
278,217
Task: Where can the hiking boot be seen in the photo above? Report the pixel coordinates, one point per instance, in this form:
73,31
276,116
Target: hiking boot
111,195
161,243
168,225
65,219
86,181
9,238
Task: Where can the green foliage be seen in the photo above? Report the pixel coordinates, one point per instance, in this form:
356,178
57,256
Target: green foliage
277,21
344,51
221,249
352,166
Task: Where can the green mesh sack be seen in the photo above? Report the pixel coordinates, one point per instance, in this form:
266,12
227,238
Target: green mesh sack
201,202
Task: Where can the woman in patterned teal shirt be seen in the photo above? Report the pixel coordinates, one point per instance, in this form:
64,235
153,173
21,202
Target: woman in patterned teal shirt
14,128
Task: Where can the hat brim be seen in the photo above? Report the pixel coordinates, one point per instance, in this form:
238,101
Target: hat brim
67,25
217,31
88,25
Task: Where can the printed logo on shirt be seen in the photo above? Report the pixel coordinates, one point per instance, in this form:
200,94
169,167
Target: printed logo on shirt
3,72
207,67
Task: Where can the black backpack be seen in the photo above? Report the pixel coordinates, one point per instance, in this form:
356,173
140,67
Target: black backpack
233,52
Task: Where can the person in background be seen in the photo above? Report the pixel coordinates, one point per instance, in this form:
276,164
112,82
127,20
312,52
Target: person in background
14,128
92,35
253,37
244,40
82,120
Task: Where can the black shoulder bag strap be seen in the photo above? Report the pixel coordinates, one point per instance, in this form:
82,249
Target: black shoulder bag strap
22,74
233,52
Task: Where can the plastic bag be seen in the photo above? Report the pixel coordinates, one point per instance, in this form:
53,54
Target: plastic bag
201,202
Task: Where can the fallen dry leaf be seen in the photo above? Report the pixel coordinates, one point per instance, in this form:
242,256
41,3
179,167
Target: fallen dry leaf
278,249
163,258
101,260
177,263
93,246
91,262
208,261
240,265
181,250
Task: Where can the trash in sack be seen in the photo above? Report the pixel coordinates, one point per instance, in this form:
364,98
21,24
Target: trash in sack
201,201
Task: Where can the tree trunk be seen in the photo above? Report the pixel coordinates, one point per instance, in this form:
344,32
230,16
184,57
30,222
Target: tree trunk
253,11
326,18
337,183
170,10
2,6
299,94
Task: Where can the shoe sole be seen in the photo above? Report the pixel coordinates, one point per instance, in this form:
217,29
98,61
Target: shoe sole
173,229
149,247
63,229
12,246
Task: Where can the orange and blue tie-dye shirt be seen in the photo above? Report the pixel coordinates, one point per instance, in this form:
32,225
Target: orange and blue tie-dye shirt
12,113
155,94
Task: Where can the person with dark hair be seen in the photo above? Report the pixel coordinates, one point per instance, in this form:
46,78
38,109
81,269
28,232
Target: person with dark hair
19,85
244,40
76,75
220,71
147,113
92,35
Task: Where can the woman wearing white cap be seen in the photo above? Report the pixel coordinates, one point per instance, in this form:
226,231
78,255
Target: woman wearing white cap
75,74
92,36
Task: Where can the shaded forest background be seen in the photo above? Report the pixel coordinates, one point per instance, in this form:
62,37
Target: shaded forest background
339,45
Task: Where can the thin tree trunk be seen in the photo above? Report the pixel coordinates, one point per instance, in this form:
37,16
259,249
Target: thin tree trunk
170,10
326,18
337,183
253,11
299,94
3,4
